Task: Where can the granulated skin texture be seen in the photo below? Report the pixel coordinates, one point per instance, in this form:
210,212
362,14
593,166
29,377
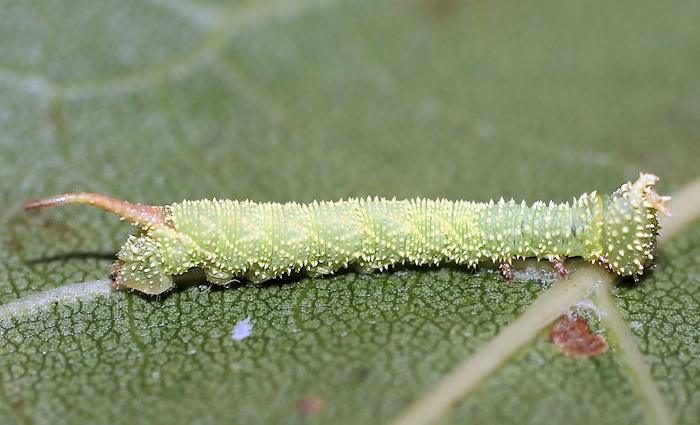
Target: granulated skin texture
260,241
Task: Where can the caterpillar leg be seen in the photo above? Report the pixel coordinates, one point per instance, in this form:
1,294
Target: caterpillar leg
217,276
365,269
558,263
123,276
604,264
113,273
317,271
508,270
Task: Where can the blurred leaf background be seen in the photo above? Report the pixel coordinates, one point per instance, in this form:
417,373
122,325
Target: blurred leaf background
163,100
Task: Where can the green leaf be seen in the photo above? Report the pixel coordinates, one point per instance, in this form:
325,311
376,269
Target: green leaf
160,101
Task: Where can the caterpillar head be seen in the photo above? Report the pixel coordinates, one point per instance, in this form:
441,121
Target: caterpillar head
631,225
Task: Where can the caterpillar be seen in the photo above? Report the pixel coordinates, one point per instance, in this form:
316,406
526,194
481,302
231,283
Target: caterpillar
256,242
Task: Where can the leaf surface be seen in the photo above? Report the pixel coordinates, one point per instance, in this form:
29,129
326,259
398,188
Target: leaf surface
160,101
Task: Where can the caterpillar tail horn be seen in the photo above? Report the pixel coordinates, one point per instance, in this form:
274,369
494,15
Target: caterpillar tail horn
149,218
145,216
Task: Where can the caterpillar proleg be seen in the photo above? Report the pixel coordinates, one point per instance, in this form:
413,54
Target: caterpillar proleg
261,241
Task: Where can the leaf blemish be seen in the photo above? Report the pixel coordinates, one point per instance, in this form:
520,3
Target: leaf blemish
311,406
242,330
574,338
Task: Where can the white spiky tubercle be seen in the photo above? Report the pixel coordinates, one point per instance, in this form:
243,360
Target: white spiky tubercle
260,241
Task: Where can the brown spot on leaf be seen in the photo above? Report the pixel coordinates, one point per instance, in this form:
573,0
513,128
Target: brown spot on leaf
55,113
311,406
573,336
442,9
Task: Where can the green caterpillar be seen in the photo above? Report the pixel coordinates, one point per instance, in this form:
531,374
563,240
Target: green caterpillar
261,241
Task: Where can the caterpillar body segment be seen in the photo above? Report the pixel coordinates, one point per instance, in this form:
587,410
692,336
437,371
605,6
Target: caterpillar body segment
231,239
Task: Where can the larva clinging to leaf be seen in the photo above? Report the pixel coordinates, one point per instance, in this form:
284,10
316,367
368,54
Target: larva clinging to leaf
261,241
